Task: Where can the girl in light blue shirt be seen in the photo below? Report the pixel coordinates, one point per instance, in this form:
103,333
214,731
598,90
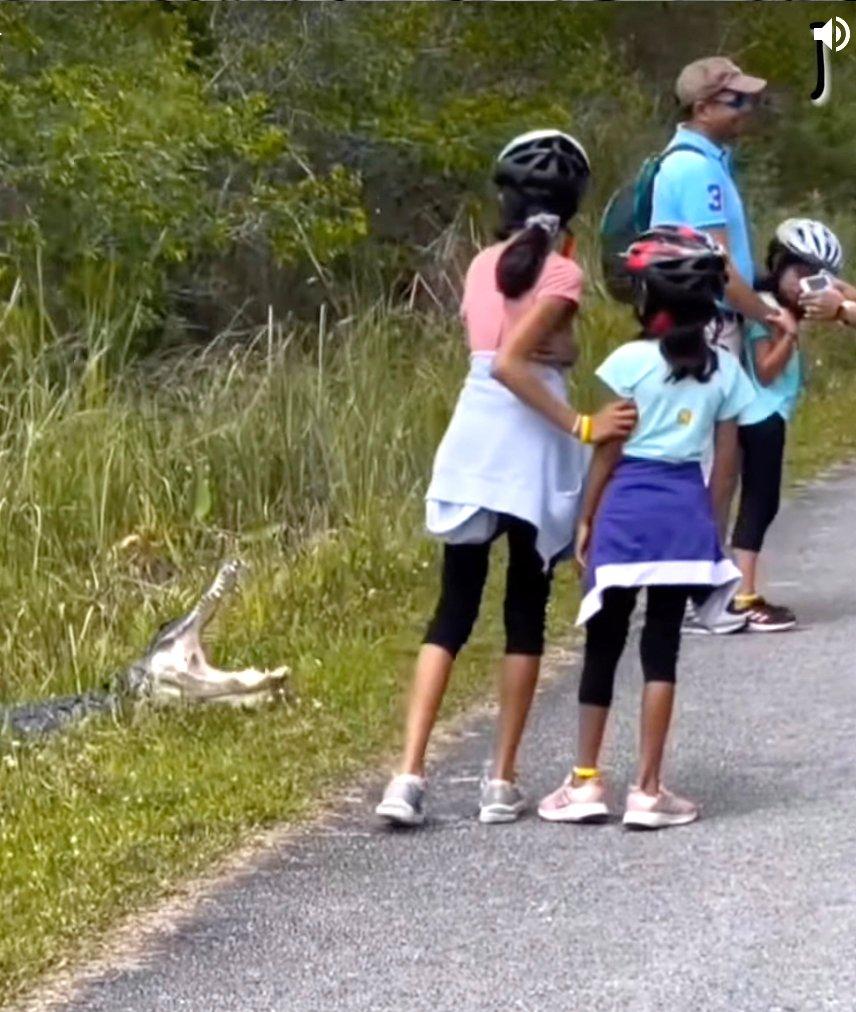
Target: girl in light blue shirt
801,248
647,518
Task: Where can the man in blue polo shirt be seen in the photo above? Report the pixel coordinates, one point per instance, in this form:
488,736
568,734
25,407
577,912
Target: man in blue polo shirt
697,187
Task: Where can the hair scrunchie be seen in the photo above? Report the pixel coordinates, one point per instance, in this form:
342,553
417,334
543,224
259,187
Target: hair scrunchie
548,222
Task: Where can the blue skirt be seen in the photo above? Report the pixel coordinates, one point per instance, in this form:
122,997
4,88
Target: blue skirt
655,527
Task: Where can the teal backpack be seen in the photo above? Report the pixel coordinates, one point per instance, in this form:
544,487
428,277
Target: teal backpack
626,215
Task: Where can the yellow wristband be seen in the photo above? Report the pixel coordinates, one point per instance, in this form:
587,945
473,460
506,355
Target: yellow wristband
586,772
585,429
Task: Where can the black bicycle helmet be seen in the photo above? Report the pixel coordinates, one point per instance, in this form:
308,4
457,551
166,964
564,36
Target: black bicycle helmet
676,265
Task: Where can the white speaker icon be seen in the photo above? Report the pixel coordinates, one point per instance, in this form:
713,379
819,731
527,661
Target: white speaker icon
835,34
829,36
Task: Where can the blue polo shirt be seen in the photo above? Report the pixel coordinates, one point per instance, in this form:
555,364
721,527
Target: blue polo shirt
699,190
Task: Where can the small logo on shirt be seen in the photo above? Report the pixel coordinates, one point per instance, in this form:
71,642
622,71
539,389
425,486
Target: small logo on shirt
829,36
685,416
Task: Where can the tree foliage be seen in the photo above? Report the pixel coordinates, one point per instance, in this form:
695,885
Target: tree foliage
204,161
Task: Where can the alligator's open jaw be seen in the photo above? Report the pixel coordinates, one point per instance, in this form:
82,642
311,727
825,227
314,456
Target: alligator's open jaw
175,666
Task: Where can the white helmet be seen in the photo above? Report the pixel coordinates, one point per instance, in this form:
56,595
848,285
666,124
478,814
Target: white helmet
811,241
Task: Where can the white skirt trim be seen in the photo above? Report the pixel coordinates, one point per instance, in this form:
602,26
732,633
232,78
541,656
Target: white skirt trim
723,576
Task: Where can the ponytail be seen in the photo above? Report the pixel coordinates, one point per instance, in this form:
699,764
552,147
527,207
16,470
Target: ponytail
537,215
521,261
688,353
683,341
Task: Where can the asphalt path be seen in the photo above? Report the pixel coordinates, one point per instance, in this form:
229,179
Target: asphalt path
752,909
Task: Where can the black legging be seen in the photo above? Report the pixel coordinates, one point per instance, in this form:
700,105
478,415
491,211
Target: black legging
763,448
606,635
527,590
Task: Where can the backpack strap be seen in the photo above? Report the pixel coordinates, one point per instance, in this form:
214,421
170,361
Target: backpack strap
681,147
643,204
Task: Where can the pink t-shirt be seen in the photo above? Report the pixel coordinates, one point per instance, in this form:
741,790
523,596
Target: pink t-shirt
489,316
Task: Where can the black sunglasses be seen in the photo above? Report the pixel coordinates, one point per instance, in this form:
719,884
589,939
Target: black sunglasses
738,100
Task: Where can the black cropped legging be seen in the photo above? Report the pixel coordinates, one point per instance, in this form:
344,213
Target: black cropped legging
763,446
527,590
606,635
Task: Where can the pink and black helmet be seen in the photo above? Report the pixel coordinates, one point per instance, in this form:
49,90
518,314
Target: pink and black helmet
677,264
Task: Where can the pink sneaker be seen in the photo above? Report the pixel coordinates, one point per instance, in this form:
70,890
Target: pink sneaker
647,811
586,803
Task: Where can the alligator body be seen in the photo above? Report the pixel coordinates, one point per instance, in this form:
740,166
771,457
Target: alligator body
174,668
32,719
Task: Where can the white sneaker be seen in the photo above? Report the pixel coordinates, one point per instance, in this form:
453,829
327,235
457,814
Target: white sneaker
404,800
586,803
724,624
501,801
657,811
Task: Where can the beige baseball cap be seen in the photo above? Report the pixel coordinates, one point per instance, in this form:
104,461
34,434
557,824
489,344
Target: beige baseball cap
704,78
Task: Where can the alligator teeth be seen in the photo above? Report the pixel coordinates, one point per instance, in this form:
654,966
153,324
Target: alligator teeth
175,665
173,668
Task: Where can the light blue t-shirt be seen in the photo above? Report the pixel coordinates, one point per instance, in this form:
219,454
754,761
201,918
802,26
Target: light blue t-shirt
676,420
779,397
699,190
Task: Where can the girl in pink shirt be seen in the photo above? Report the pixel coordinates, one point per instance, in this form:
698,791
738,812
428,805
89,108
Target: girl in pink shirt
511,462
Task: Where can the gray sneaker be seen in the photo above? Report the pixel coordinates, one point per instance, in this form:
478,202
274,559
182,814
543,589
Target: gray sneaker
725,624
403,800
501,801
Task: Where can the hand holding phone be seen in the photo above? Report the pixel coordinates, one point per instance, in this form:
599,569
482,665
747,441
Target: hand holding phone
820,298
815,283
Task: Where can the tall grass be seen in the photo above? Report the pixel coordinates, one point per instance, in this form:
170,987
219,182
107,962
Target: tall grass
120,490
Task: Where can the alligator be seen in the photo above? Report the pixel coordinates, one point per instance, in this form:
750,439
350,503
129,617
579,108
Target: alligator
174,668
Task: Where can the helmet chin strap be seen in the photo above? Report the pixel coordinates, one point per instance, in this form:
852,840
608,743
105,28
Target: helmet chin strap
641,296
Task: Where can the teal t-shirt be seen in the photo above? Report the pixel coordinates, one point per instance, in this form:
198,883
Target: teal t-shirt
779,397
676,420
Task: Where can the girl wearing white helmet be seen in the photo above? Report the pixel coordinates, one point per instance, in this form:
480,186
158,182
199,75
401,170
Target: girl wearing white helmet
511,462
801,249
836,303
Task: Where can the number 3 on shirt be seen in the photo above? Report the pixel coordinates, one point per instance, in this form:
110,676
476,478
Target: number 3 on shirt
714,193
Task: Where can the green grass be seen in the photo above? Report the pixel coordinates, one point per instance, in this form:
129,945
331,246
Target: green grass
120,491
824,431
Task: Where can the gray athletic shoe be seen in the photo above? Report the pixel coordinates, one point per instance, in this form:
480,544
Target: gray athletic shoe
725,624
501,801
403,800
